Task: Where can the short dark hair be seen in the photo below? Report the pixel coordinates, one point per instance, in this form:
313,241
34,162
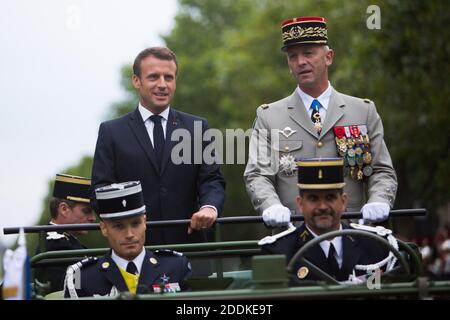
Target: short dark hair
162,53
54,205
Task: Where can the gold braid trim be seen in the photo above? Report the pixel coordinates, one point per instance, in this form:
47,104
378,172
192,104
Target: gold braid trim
297,32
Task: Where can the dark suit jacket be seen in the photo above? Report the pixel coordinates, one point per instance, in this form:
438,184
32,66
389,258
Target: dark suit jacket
99,276
356,250
124,152
56,241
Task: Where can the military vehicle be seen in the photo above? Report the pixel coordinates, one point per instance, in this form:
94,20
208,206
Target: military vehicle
240,271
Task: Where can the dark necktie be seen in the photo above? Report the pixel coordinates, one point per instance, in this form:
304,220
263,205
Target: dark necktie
131,268
158,137
315,115
332,263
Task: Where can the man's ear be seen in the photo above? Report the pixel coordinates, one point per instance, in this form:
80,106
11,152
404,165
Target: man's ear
104,229
63,209
344,200
329,57
144,221
136,81
299,200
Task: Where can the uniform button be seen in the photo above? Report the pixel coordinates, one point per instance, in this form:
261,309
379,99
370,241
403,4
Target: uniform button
286,148
163,190
320,144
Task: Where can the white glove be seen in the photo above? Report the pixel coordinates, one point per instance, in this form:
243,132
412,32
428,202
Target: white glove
375,211
276,216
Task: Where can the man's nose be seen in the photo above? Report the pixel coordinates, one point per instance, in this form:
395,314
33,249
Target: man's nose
129,232
301,60
162,82
322,205
91,217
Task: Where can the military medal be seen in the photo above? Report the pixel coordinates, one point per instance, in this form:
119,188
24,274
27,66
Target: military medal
359,174
165,279
351,161
365,139
359,161
352,144
367,158
351,153
367,171
288,166
363,129
347,132
354,130
339,132
317,123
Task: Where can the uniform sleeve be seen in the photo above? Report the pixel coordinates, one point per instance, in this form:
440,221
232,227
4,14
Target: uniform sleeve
382,184
261,170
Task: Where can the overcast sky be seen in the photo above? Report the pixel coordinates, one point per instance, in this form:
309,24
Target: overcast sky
60,66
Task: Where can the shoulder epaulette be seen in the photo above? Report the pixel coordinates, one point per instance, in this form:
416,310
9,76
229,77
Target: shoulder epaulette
85,262
53,235
167,252
367,100
264,106
379,230
272,239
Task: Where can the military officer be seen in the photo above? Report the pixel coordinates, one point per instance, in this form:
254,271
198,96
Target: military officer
70,204
317,121
322,202
128,266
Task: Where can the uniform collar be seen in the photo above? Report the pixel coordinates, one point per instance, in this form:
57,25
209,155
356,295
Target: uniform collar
123,263
324,98
325,245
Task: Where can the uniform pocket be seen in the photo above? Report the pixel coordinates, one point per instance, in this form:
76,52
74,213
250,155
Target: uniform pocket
289,145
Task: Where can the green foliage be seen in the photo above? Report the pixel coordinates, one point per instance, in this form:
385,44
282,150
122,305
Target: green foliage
413,88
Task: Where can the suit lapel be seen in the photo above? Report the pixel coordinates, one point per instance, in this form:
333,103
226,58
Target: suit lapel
149,273
138,127
297,112
172,123
113,274
335,111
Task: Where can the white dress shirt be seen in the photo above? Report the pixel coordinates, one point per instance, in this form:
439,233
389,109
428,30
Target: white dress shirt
337,243
324,100
122,263
149,125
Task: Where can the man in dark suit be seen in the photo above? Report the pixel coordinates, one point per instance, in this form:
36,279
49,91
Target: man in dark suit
322,202
69,205
128,266
138,146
